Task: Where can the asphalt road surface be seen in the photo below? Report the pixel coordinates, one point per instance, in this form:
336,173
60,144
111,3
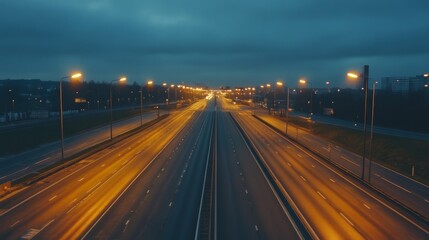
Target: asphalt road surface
164,202
150,185
247,207
402,188
65,205
333,205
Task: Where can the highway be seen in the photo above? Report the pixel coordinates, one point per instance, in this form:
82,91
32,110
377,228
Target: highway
247,205
333,205
402,188
164,202
151,184
64,205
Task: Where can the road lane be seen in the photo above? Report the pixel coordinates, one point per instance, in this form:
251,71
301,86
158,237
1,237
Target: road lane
332,203
164,203
402,188
71,199
247,205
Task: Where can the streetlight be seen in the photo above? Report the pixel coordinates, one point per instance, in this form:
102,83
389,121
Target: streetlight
149,83
352,75
175,92
278,84
305,82
122,79
287,108
168,92
365,87
372,129
141,105
327,83
74,76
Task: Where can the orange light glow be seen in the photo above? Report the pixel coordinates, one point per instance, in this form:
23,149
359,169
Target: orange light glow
352,75
76,75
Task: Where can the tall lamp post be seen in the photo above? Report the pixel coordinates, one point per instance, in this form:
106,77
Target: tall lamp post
372,130
279,84
327,83
268,91
141,105
365,87
305,82
74,76
149,84
122,79
173,86
287,108
166,92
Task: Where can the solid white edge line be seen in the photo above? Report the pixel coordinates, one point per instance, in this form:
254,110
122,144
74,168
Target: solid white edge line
396,185
350,161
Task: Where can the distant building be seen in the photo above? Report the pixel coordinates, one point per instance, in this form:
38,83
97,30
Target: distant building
404,85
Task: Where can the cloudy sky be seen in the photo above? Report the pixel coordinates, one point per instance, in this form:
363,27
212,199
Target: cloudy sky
217,42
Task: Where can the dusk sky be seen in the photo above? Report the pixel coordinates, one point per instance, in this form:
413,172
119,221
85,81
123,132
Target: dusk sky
221,42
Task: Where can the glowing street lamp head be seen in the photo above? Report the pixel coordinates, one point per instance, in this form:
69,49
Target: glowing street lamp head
327,83
172,85
302,81
164,84
268,85
279,83
352,75
122,79
150,82
76,75
426,75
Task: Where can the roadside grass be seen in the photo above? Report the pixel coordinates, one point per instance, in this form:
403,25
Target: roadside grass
396,153
31,136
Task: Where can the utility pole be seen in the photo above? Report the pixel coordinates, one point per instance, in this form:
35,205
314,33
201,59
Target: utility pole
365,86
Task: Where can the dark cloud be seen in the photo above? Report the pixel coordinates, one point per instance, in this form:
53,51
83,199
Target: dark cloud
216,42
